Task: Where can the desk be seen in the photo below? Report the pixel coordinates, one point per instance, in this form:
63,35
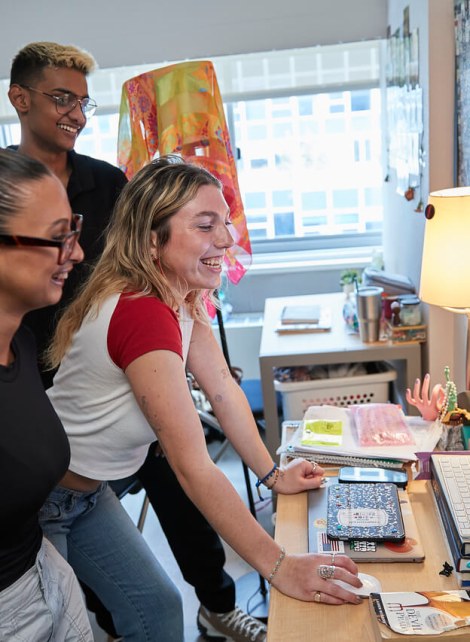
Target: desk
323,348
295,621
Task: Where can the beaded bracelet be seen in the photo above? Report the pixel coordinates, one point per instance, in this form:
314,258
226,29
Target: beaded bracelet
278,563
277,472
263,480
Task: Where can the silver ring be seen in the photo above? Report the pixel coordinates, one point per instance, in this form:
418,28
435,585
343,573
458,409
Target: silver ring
317,597
314,465
333,558
326,572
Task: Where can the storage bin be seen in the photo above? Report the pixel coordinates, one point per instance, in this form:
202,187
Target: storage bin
297,396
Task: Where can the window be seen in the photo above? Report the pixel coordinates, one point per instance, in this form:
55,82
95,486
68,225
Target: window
306,126
326,174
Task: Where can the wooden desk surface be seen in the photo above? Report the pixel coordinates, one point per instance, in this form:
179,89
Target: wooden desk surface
295,621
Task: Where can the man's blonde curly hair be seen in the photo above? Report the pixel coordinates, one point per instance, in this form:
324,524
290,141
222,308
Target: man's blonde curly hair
30,61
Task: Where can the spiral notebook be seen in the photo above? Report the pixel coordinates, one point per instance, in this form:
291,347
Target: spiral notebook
409,550
344,460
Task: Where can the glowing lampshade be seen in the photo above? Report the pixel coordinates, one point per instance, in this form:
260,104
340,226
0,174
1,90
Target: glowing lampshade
445,268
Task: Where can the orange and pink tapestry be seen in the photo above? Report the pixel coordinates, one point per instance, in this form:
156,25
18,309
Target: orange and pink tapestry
178,110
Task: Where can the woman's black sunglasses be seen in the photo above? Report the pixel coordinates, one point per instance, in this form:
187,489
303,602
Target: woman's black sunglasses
65,243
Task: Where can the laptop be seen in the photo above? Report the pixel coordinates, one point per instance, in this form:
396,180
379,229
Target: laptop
408,550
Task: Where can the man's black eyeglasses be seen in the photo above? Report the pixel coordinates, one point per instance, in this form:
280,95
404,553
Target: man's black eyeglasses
65,242
67,102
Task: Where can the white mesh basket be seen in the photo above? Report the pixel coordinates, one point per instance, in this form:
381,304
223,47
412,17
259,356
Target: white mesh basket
297,396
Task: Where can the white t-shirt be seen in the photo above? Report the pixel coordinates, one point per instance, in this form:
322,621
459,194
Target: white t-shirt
108,433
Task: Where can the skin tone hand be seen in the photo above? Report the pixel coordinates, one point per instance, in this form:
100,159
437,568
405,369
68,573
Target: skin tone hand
299,475
428,405
298,577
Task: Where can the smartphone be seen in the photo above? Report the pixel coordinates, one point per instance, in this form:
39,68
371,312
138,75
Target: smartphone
352,474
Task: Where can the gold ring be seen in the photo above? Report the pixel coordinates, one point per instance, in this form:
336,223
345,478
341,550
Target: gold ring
317,597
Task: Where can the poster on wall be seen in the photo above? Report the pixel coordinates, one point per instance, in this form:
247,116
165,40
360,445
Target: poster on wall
404,108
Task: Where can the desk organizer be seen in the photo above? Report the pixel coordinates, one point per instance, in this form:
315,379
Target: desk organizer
297,396
402,333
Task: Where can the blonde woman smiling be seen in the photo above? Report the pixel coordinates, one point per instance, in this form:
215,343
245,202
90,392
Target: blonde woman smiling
123,346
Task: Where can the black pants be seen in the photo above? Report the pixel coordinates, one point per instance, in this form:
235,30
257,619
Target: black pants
196,546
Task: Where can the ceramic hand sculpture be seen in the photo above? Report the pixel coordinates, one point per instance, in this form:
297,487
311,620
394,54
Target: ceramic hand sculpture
430,405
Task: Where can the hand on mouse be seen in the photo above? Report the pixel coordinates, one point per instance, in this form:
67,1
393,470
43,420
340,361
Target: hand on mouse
302,577
370,584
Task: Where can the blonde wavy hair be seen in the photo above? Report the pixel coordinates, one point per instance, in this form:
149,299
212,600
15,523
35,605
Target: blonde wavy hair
30,61
147,203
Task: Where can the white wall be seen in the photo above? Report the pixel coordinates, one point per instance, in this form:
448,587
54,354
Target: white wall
403,227
118,32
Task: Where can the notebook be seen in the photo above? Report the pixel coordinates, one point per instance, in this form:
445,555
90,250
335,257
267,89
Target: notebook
409,550
292,314
295,319
367,511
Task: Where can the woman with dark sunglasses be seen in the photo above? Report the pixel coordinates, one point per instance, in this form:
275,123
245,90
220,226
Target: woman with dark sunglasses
40,597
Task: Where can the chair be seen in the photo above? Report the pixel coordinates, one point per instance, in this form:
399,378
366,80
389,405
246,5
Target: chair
133,487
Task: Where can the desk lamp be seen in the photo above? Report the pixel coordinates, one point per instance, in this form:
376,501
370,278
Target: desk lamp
445,268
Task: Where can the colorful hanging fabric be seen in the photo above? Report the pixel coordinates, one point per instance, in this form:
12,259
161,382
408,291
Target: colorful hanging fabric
178,109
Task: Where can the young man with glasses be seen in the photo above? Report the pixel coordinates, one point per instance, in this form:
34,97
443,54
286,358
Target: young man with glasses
48,89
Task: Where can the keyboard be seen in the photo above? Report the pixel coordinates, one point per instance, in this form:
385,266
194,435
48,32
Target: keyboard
453,474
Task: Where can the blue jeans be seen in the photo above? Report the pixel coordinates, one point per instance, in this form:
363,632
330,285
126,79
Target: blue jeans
109,554
45,603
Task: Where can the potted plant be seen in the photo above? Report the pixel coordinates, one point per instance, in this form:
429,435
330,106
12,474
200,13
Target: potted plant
348,279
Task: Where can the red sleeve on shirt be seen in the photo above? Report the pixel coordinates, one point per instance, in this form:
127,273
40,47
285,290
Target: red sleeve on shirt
141,325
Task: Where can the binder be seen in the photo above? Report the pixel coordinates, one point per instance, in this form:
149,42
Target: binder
458,561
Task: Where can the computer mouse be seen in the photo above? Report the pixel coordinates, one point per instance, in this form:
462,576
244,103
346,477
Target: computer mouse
370,584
